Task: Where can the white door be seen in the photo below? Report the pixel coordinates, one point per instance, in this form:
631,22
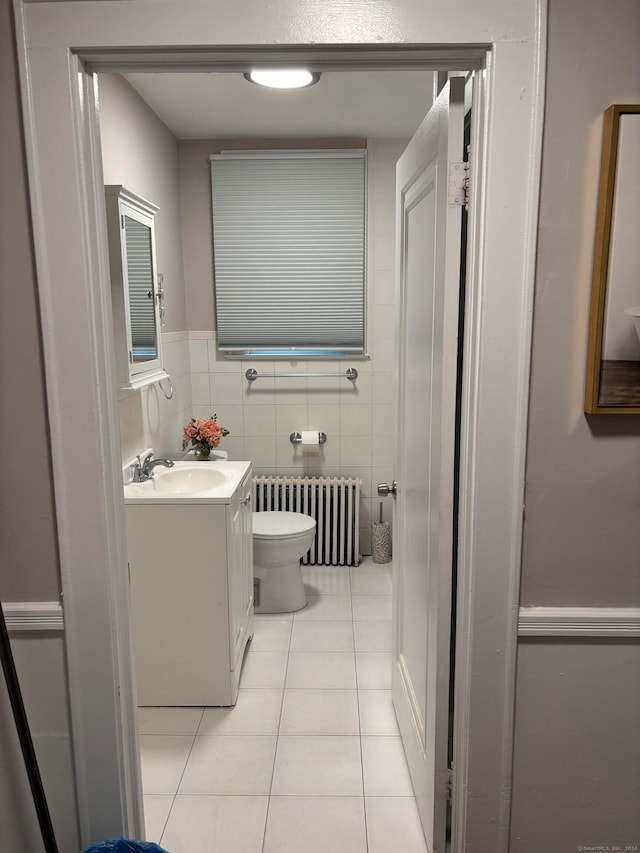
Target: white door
428,275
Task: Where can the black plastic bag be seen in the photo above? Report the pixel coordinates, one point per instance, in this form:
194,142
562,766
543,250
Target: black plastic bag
124,845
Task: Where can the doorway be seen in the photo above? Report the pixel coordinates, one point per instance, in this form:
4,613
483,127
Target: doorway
128,157
90,524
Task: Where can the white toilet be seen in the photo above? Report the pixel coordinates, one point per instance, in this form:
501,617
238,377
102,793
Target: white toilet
280,539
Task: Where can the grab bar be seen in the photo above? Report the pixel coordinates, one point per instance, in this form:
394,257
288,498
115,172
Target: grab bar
252,374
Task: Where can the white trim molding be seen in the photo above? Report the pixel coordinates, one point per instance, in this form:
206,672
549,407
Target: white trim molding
33,616
579,622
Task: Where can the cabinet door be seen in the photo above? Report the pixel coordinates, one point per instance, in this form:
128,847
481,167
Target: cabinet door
240,567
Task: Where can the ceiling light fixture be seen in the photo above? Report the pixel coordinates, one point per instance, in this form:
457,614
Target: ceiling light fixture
283,78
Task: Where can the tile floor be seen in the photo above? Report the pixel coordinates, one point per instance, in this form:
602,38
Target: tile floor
309,759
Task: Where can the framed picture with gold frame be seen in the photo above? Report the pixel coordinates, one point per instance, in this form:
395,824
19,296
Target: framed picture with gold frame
613,359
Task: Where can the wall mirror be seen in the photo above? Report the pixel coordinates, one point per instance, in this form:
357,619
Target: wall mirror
135,289
613,361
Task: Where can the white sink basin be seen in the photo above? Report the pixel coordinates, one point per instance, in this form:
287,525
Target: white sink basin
189,482
183,479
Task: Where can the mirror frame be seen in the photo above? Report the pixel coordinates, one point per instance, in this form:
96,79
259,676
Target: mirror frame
602,246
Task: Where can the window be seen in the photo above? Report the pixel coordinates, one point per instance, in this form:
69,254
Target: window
289,252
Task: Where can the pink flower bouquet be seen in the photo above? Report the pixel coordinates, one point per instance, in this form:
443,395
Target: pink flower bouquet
202,435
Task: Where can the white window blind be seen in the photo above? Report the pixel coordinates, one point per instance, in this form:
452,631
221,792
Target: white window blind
289,251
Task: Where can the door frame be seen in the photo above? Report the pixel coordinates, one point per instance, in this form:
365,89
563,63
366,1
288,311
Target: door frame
59,46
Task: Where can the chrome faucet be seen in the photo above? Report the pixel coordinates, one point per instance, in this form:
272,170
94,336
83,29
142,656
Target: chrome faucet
143,471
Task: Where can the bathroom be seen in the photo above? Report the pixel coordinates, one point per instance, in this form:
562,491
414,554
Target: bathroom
140,153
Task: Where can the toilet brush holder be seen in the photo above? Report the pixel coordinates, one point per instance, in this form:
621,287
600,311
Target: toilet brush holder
381,540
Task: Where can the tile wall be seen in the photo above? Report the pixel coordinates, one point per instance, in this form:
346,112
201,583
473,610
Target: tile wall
357,417
147,418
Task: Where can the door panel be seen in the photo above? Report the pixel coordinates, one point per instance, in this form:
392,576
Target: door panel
428,274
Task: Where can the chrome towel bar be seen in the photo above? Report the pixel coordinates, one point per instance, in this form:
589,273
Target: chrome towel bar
252,374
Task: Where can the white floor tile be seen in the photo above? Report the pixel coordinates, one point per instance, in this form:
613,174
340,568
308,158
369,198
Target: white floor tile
272,617
385,768
371,608
320,712
393,824
372,583
377,716
156,812
257,712
322,637
205,824
315,825
374,670
367,567
229,764
372,636
162,761
169,721
264,669
325,580
334,608
321,670
318,766
271,635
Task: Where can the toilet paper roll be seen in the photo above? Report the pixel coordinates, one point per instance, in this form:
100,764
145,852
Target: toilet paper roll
310,441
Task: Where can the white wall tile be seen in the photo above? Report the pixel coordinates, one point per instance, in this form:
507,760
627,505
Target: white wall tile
357,392
383,388
200,390
259,420
324,418
355,450
235,447
289,455
290,417
382,419
226,389
355,420
383,325
383,286
261,450
198,356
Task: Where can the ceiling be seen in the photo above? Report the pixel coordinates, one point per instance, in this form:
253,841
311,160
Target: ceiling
225,105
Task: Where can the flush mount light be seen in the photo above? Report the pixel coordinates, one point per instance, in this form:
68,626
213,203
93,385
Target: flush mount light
283,78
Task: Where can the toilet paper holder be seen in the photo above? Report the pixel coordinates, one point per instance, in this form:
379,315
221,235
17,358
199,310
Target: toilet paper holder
296,437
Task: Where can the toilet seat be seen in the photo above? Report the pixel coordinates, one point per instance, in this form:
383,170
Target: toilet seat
281,525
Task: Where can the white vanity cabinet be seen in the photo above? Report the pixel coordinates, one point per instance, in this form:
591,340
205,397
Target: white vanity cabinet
191,573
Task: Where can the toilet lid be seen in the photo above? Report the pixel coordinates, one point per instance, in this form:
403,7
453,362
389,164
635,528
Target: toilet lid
282,525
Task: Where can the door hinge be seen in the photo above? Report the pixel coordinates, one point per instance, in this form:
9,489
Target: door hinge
450,784
459,183
122,222
129,572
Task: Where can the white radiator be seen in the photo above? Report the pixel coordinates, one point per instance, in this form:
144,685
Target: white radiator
334,502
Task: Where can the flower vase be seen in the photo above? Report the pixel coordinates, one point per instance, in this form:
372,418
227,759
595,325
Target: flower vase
203,455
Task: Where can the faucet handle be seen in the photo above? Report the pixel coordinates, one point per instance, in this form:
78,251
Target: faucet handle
147,458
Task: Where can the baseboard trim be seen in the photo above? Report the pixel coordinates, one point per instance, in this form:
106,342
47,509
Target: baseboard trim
579,622
33,616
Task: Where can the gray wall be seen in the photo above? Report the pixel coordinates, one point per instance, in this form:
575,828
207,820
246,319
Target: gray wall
141,153
577,739
28,548
581,533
